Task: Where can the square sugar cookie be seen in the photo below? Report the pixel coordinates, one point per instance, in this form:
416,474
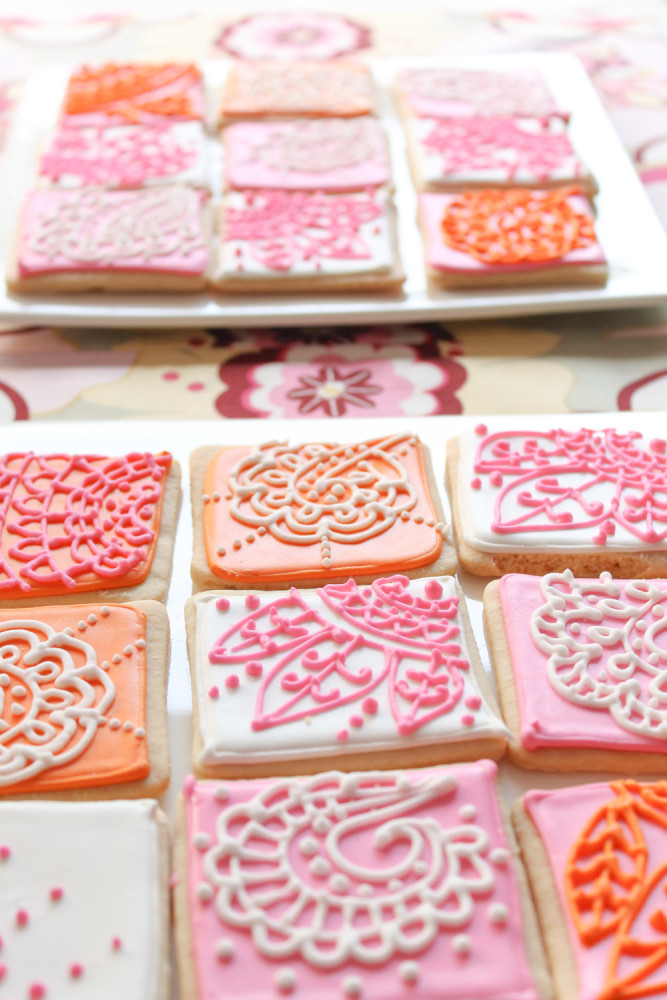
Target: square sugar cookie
340,88
83,700
510,236
385,885
94,239
580,666
541,501
84,900
323,154
595,856
458,91
275,514
75,528
345,677
292,241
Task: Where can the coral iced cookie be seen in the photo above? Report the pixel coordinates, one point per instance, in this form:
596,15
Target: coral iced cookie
460,153
127,156
341,88
581,666
449,92
83,700
290,241
91,239
348,885
499,236
80,527
84,905
596,861
328,154
549,500
315,514
133,93
345,676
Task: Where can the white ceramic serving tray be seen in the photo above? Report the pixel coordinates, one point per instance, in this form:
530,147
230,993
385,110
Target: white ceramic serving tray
633,239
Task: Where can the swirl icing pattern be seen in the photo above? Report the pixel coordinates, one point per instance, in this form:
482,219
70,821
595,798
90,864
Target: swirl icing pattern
448,91
339,88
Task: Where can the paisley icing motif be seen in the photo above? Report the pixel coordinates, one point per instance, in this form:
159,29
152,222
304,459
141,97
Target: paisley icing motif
445,92
133,92
72,523
340,88
605,643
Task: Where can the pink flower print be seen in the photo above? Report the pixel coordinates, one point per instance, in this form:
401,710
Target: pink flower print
334,392
297,35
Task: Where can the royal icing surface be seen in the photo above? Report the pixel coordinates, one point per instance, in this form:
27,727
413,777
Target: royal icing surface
72,697
329,154
494,150
80,912
339,88
448,92
132,93
563,490
500,231
607,845
272,233
71,523
589,660
127,155
156,230
359,885
342,669
278,512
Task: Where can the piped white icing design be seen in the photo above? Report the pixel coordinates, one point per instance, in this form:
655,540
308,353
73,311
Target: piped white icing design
605,646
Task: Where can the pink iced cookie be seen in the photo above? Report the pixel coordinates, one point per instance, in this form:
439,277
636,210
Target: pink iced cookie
357,885
448,92
329,154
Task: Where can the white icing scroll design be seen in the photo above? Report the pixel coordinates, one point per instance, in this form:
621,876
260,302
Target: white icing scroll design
606,648
384,882
320,145
54,693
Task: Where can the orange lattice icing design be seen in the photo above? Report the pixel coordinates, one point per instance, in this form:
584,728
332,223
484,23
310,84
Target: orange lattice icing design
615,887
497,226
72,697
132,92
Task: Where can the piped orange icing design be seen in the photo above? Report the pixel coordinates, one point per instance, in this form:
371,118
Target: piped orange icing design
73,523
281,512
612,881
132,91
497,226
339,88
72,697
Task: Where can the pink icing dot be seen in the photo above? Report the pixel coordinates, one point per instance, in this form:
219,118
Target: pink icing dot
433,590
37,991
22,918
338,635
196,386
231,681
468,720
222,604
369,706
481,429
252,602
473,701
356,721
657,444
76,970
5,852
342,735
476,483
600,538
170,376
214,692
116,943
496,479
254,669
56,894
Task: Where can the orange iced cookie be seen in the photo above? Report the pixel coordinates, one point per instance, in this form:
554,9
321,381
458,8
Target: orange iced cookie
277,513
132,93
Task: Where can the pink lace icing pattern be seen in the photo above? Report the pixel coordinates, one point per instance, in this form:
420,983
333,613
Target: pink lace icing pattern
96,507
549,476
284,228
457,91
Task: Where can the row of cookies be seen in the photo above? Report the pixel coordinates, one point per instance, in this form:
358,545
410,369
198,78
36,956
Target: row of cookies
503,194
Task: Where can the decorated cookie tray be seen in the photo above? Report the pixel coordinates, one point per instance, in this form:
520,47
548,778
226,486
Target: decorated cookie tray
636,266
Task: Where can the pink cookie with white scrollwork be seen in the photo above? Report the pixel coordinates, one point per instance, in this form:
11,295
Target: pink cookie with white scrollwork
457,91
327,154
275,240
390,885
581,666
345,676
547,500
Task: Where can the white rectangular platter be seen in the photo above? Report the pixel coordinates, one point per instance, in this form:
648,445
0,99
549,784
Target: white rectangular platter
633,239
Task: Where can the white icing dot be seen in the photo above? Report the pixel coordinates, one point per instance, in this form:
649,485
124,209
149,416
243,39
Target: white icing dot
92,619
420,867
204,892
461,944
224,949
394,885
236,544
658,611
68,631
201,841
339,883
105,664
128,650
116,658
409,972
221,793
216,497
205,497
637,644
467,813
320,867
364,890
221,550
352,986
497,913
321,824
19,691
403,784
114,724
285,980
81,626
641,625
128,726
500,855
5,680
653,658
105,610
140,732
308,847
18,709
140,644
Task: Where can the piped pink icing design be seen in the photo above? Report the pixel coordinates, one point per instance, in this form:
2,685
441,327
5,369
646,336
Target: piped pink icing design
592,485
442,257
125,156
331,154
447,92
389,649
158,229
359,873
589,659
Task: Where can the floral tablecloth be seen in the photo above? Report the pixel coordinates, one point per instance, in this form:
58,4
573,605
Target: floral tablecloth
557,364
